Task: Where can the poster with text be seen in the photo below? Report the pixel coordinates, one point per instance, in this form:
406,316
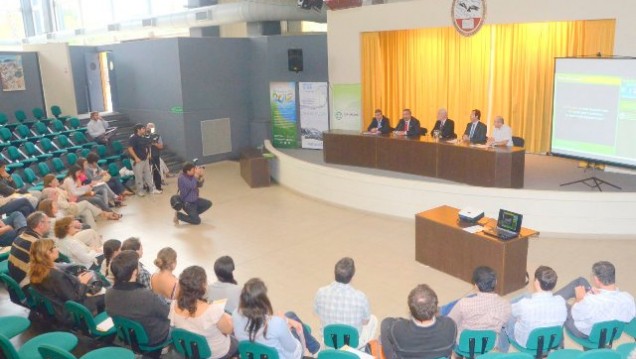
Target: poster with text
12,73
313,98
282,97
347,107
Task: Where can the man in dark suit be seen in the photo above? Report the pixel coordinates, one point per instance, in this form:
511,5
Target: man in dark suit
444,125
379,123
408,126
475,130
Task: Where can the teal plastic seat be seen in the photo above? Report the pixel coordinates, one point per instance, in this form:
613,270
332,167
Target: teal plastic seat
602,335
44,169
4,267
565,354
7,137
80,139
17,294
38,113
14,155
473,343
49,147
3,119
11,326
33,152
41,129
625,349
630,328
253,350
59,168
58,127
57,112
29,350
71,158
21,117
335,354
541,341
65,143
134,335
74,124
190,345
24,133
339,335
85,321
32,179
41,303
53,352
600,354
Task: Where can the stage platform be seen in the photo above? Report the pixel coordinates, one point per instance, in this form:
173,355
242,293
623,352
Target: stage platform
547,207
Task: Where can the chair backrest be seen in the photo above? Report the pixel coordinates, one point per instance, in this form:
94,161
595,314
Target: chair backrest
253,350
131,333
23,131
518,141
117,147
30,149
473,342
5,134
542,340
58,164
63,140
41,303
600,354
14,288
71,159
75,123
52,352
13,153
604,333
335,354
17,179
56,110
101,151
81,316
113,171
38,113
85,151
44,169
190,345
630,328
58,126
20,115
3,118
625,349
29,176
47,145
41,128
127,163
338,335
7,349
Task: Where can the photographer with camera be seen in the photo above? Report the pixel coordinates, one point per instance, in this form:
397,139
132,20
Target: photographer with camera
156,145
139,149
190,180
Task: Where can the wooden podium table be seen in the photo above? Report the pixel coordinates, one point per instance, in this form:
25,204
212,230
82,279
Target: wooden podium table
441,242
254,168
489,167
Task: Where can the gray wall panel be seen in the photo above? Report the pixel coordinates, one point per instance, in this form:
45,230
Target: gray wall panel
32,96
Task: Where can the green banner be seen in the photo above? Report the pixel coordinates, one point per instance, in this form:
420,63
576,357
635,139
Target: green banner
347,107
282,97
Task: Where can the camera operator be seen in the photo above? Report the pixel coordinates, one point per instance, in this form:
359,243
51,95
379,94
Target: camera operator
139,149
156,145
190,180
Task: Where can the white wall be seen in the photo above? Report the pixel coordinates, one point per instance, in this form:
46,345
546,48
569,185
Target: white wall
345,26
57,75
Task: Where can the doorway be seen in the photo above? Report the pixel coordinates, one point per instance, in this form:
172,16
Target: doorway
100,78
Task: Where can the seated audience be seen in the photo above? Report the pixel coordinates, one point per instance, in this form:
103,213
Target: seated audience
9,189
10,227
81,247
190,311
49,207
134,244
598,303
164,282
57,285
501,134
37,224
99,130
74,185
540,310
226,286
340,303
425,335
254,320
484,311
100,187
129,299
96,173
112,247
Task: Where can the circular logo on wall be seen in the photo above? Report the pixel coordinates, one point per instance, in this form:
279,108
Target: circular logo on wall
468,15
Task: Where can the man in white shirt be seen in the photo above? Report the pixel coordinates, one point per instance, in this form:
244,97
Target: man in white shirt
540,310
501,134
340,303
99,129
603,302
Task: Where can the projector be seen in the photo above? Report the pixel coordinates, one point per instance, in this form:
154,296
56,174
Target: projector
471,215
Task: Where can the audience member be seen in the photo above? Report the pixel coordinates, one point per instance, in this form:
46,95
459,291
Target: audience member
190,311
379,123
96,173
10,227
9,189
100,187
164,282
134,244
99,130
484,311
73,185
340,303
541,309
81,247
37,224
129,299
111,249
57,285
226,286
425,335
49,207
254,320
599,303
189,182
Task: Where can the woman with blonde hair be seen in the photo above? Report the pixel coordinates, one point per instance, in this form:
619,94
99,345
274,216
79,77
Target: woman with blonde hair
80,246
57,285
164,282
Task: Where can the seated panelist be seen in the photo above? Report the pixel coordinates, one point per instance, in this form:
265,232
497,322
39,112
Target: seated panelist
379,123
501,134
444,125
408,126
475,130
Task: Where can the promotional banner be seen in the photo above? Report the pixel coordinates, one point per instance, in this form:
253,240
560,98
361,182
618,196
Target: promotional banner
347,107
282,97
314,113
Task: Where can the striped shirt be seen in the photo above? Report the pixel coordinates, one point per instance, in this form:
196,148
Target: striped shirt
484,311
542,309
19,256
340,303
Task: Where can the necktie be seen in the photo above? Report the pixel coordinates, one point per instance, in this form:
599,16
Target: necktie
472,130
406,126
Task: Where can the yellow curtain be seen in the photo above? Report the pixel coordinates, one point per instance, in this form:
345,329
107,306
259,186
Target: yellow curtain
508,66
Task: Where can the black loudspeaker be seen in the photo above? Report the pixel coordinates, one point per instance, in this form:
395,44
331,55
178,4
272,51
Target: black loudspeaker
295,59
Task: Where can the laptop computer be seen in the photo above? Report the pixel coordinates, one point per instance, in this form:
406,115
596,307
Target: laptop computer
508,225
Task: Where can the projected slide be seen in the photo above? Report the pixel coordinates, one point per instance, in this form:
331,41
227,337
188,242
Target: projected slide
594,113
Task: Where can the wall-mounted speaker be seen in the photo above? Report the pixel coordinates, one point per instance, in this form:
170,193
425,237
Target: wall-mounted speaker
295,59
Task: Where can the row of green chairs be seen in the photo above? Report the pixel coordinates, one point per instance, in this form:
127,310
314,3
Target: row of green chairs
38,114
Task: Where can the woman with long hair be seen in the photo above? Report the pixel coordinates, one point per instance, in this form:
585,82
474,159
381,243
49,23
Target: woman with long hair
254,320
164,282
226,286
74,185
57,285
80,246
190,311
100,187
111,249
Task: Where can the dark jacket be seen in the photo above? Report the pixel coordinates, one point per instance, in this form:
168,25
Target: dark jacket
403,339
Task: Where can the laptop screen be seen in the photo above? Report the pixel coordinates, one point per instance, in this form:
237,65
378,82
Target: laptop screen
509,220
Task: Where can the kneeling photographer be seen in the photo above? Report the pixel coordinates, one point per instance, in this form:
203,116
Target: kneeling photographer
190,180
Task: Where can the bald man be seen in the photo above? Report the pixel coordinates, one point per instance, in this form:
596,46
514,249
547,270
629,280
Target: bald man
444,125
501,133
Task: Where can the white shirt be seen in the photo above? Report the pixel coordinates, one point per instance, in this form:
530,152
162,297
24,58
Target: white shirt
504,133
542,309
76,251
206,325
340,303
96,128
604,306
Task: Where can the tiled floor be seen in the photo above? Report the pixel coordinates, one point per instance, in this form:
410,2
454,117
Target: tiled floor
292,243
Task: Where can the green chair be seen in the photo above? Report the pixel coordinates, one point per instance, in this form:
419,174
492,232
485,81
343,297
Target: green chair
4,255
33,152
602,335
102,152
335,354
541,341
54,352
44,169
190,345
339,335
493,355
42,130
31,178
59,168
80,139
15,292
22,132
30,349
565,354
127,163
630,328
117,150
253,350
38,113
57,112
625,349
4,267
7,137
600,354
473,343
134,335
58,127
49,147
11,326
41,304
14,155
65,143
85,322
74,124
71,158
21,116
85,151
3,119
